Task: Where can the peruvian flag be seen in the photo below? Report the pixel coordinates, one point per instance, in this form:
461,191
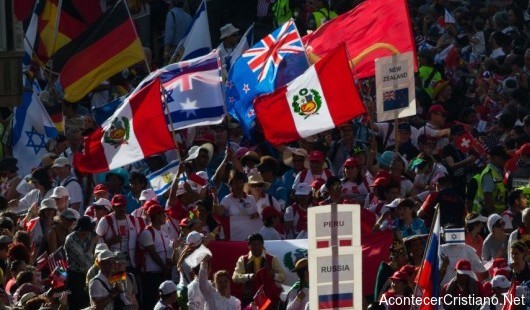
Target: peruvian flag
318,100
137,129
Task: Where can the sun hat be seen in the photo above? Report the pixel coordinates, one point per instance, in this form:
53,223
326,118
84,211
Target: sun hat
492,220
194,238
61,162
104,203
195,150
228,30
48,204
147,194
167,287
60,192
288,153
256,178
68,214
105,255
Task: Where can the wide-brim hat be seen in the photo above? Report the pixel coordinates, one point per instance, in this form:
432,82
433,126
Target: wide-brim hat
256,178
48,204
250,155
195,150
287,156
228,30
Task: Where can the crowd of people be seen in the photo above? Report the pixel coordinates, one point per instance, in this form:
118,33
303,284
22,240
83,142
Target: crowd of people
108,241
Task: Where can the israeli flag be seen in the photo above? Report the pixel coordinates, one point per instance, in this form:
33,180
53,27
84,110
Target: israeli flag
454,235
196,42
32,128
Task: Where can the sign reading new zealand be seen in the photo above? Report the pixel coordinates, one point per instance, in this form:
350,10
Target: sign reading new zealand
395,93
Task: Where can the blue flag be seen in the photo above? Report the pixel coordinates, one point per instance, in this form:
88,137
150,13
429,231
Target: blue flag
105,111
271,63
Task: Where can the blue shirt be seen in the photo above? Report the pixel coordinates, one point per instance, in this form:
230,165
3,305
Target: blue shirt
416,228
177,22
132,203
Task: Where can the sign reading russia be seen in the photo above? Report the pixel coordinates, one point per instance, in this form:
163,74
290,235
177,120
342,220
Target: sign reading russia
335,257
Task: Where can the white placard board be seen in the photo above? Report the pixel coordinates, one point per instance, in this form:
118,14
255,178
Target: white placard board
395,88
335,257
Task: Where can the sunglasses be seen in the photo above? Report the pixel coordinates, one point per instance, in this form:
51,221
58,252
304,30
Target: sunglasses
256,185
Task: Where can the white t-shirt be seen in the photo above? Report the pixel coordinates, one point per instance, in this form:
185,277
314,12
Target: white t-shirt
455,252
265,202
239,206
269,233
162,247
75,191
431,131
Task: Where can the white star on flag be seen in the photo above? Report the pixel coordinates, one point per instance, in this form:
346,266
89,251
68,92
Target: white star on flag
246,89
189,106
465,143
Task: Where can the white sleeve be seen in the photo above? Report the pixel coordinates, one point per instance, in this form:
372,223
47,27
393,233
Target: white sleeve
253,205
297,179
103,227
476,262
145,239
507,222
195,297
289,214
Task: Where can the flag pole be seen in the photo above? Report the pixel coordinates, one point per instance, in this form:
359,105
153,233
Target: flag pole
418,276
136,33
164,95
57,20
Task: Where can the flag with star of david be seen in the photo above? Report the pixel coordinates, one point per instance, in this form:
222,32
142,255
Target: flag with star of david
32,128
193,91
269,64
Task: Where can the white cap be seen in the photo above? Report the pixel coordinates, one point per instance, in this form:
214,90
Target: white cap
492,220
194,238
394,203
48,203
60,192
104,202
100,247
479,218
500,281
147,194
302,189
167,287
105,254
61,162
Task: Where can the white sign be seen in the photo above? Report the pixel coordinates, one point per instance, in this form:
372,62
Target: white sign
335,257
395,89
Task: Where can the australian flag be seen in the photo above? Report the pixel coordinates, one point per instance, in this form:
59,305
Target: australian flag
395,99
272,62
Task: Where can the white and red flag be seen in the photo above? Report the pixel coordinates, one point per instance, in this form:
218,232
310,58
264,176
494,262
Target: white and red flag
136,130
323,97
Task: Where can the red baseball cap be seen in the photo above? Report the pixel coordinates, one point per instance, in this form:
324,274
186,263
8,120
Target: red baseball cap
381,181
400,276
316,156
155,209
269,212
317,183
437,108
350,163
119,201
100,188
149,203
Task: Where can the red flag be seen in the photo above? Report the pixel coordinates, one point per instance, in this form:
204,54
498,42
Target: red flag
57,259
510,296
265,280
373,29
136,130
312,103
261,300
58,277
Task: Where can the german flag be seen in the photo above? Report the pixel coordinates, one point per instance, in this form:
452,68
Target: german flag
72,23
108,46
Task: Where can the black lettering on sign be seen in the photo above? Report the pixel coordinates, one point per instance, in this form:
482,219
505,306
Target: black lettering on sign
334,268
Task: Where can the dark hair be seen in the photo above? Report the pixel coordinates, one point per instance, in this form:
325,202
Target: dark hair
236,175
23,237
513,196
18,251
138,177
520,246
254,237
15,265
107,177
25,276
332,180
7,223
268,222
11,215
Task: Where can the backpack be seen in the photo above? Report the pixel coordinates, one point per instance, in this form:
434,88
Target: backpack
134,220
140,250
